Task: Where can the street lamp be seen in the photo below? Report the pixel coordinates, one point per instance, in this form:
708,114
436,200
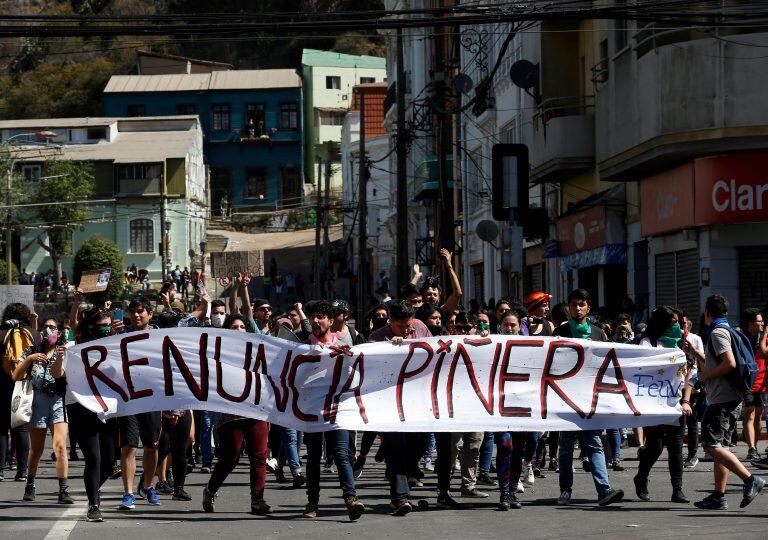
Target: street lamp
46,135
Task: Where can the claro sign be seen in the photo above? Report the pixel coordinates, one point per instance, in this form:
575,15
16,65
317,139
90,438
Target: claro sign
724,189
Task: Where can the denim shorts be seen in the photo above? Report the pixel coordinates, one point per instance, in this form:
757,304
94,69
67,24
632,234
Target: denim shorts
718,421
46,410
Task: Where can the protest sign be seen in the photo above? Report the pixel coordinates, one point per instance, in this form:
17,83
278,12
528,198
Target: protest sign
23,294
229,263
95,280
450,383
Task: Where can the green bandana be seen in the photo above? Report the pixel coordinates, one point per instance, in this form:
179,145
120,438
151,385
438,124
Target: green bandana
671,337
580,331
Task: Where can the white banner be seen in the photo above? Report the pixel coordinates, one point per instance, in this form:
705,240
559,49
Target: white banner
450,383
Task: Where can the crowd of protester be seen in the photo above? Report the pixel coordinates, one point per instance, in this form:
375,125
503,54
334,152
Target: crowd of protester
176,442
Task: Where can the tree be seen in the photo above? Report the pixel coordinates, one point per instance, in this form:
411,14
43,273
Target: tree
64,181
4,273
97,253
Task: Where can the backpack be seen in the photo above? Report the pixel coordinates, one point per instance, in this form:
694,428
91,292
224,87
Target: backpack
742,378
16,342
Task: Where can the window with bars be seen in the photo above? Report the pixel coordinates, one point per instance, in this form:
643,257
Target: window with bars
142,233
139,178
289,115
221,117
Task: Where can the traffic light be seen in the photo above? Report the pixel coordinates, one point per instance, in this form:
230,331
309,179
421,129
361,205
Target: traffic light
509,182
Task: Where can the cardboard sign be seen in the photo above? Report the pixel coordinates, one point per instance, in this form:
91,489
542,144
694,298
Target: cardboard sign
229,263
10,294
95,280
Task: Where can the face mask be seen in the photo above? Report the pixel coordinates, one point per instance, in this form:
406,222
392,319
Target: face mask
435,330
102,331
483,326
379,322
49,336
217,320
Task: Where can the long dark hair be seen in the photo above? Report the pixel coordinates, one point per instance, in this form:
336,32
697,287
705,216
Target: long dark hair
658,322
232,317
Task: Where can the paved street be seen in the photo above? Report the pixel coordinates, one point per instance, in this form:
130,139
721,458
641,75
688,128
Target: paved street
539,518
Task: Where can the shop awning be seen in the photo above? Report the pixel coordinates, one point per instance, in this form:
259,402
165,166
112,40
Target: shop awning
607,254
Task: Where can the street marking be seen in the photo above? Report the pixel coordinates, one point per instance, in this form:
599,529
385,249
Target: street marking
66,523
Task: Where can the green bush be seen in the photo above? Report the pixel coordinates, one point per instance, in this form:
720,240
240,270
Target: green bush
4,274
97,253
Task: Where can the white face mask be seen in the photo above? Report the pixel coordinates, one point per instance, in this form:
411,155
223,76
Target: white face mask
217,319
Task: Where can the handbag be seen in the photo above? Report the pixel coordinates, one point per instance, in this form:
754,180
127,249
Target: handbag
21,403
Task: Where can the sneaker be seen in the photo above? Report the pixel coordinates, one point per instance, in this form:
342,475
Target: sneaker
128,502
310,511
565,498
401,508
280,477
553,465
209,501
528,478
21,477
162,487
617,466
484,479
357,468
29,493
585,465
538,473
641,488
64,496
447,502
180,494
520,488
691,462
2,476
299,480
752,488
150,494
614,495
205,470
271,465
355,508
761,463
94,514
415,482
710,502
116,472
260,507
429,465
752,454
679,497
473,493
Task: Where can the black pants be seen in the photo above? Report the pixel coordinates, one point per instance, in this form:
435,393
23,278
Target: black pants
175,440
369,437
97,442
656,437
443,465
692,423
553,439
403,452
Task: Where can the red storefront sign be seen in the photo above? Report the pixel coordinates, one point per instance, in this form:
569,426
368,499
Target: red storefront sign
584,230
715,190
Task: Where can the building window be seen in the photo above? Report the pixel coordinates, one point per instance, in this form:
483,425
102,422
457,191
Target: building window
186,108
367,80
96,133
142,233
31,174
254,119
139,178
333,82
137,110
289,115
256,183
332,118
221,117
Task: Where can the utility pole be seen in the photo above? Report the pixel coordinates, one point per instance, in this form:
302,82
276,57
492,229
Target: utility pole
402,180
326,214
318,215
362,278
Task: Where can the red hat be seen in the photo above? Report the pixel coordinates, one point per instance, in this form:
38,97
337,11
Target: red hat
536,298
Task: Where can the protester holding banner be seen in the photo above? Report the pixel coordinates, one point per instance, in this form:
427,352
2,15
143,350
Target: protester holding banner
579,327
235,434
664,331
43,367
321,317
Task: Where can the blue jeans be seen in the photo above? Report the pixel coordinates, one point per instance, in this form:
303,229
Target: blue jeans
531,443
431,450
206,435
289,450
593,448
614,442
486,453
337,442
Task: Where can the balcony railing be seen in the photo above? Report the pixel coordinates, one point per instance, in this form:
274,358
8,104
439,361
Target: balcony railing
556,107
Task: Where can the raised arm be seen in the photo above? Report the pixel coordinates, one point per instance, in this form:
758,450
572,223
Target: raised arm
416,274
233,290
74,309
246,297
452,302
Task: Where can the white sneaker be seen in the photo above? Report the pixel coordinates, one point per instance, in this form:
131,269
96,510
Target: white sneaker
428,465
271,464
528,478
520,488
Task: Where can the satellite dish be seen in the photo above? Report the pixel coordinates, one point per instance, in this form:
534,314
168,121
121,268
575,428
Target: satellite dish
524,74
487,230
462,84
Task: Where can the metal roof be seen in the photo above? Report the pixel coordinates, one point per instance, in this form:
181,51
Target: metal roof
250,79
314,57
134,147
53,123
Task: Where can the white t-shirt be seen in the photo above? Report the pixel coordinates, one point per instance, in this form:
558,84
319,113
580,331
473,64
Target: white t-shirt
646,342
